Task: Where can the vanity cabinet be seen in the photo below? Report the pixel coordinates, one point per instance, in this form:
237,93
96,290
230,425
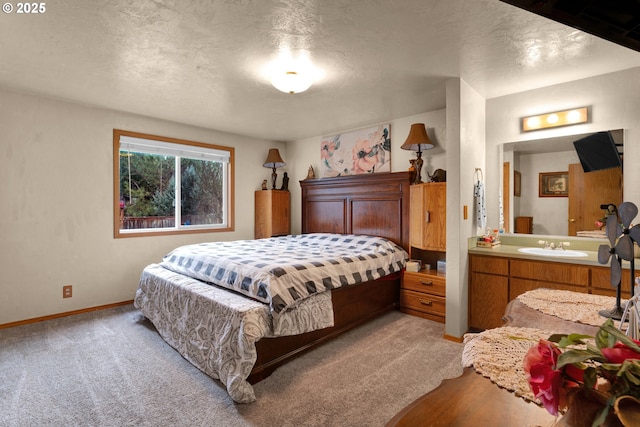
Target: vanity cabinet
488,291
527,275
428,216
272,213
496,280
601,282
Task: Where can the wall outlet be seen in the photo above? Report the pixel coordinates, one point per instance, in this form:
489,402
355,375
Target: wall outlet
67,291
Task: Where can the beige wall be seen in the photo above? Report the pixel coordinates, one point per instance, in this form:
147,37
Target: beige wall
56,216
465,130
615,104
304,153
57,227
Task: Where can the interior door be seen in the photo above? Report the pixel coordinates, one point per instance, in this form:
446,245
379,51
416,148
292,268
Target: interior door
587,191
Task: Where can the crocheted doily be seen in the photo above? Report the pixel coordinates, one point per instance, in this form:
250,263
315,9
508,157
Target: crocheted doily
568,305
498,354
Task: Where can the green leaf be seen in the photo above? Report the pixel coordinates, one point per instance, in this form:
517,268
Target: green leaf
556,337
600,419
576,356
590,377
620,336
630,370
572,339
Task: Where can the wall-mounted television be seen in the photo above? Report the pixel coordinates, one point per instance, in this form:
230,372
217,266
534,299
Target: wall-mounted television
597,152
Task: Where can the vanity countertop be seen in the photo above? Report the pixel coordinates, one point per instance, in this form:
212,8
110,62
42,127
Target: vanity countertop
511,243
511,251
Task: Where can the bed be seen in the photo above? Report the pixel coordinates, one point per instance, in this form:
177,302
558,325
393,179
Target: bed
239,329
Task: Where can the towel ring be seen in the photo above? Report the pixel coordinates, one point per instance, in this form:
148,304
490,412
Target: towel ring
478,174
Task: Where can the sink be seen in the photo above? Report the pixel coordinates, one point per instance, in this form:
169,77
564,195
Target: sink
552,252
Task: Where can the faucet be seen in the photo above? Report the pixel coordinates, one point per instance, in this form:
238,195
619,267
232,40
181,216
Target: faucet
553,246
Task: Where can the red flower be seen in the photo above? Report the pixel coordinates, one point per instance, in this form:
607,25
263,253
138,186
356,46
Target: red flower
544,379
620,352
575,376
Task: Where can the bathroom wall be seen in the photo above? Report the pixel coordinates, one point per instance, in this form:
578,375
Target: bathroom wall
614,103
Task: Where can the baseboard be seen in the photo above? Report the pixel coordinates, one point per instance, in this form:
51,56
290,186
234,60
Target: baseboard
452,338
65,314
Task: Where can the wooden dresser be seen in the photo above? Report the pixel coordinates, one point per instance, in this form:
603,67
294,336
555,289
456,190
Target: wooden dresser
423,293
272,213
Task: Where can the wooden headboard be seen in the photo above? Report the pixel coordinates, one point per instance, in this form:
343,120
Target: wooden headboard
374,204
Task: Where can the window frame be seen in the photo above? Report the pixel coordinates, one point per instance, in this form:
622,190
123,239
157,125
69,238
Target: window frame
178,229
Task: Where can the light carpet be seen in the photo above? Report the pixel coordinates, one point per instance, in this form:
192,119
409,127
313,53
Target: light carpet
111,368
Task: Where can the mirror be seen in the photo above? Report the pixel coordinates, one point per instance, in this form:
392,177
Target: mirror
547,212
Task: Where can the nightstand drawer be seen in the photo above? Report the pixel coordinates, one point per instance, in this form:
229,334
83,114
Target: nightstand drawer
421,282
422,302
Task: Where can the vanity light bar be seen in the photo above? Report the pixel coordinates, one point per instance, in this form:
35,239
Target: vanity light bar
556,119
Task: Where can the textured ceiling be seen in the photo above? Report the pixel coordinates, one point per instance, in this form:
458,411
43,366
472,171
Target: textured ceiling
201,62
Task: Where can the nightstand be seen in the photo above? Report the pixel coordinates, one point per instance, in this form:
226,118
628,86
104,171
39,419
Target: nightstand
423,294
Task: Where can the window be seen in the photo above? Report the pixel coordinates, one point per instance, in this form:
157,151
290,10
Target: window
167,186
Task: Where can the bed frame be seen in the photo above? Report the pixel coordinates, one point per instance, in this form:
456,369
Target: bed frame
372,204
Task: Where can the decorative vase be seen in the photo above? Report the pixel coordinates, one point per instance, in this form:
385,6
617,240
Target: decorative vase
628,410
584,407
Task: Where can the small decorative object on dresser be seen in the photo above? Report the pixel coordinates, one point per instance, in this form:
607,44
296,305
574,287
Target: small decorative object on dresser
311,174
264,184
285,182
412,170
439,175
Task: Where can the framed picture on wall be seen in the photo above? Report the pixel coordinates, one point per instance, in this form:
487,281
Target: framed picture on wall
517,183
356,152
553,184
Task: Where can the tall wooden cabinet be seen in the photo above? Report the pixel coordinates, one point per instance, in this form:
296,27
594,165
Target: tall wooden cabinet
272,213
423,293
428,218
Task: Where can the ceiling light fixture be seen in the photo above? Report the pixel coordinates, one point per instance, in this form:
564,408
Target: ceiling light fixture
555,119
291,81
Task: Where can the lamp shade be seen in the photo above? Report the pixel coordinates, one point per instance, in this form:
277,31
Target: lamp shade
273,159
418,139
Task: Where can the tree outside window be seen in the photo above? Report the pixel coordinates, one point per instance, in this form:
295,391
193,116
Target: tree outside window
153,199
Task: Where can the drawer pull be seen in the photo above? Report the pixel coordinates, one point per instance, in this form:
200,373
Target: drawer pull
426,302
429,283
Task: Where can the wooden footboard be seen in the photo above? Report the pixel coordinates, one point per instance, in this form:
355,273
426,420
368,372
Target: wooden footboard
353,306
